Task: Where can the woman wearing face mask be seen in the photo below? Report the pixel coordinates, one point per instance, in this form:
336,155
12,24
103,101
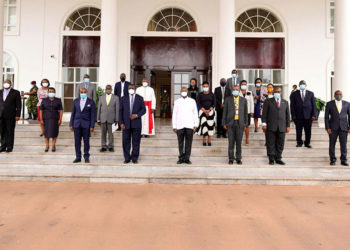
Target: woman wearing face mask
259,94
250,101
193,90
43,93
51,112
206,104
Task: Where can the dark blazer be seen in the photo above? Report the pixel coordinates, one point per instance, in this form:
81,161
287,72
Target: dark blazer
124,111
218,97
85,118
12,106
118,89
230,112
333,120
303,109
276,118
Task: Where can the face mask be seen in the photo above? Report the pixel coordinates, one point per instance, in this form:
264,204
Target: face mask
235,93
145,84
205,89
86,80
122,79
131,91
45,84
6,85
302,87
269,90
193,84
184,94
338,97
223,84
234,75
258,85
52,95
244,87
277,95
83,96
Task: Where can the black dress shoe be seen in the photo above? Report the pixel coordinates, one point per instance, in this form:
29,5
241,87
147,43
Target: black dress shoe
179,162
77,160
308,146
218,136
204,144
209,144
87,160
271,162
239,162
127,162
2,150
280,162
344,163
9,150
103,150
299,145
111,150
46,150
230,162
188,162
332,163
135,161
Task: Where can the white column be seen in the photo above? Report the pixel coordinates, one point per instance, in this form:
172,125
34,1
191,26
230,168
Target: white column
109,42
1,38
342,47
226,39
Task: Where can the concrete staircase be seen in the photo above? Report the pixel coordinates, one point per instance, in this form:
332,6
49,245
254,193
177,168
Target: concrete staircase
158,158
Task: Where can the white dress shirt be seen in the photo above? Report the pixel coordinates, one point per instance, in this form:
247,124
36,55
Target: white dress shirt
5,93
185,114
82,103
122,89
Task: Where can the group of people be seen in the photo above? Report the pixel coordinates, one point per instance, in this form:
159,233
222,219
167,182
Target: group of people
229,110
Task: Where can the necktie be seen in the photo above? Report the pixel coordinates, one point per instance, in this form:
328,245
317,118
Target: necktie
302,95
108,99
278,103
132,104
338,107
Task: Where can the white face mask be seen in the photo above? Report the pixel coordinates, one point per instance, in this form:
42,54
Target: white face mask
184,94
145,84
7,85
45,84
131,91
243,87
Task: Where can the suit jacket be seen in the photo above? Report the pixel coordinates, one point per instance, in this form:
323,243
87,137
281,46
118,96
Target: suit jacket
108,113
333,120
118,89
91,91
277,119
303,109
230,112
12,106
229,85
218,97
85,118
139,109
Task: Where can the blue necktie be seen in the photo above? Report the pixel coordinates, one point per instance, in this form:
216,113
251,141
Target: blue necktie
132,104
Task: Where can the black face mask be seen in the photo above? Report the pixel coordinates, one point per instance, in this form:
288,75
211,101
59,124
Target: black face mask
122,79
338,97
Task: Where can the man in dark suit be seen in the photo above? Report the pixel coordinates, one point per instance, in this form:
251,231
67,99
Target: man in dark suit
232,81
82,122
132,108
220,98
337,123
10,112
303,110
121,88
276,123
235,119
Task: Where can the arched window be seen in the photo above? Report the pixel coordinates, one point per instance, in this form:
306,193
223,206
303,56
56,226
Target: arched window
9,67
84,19
172,20
258,20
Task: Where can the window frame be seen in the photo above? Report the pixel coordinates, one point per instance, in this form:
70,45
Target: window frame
6,25
329,27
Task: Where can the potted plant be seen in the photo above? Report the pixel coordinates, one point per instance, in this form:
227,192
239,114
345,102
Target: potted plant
99,93
320,105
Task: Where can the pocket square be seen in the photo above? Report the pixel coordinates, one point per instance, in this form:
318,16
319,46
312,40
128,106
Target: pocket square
89,105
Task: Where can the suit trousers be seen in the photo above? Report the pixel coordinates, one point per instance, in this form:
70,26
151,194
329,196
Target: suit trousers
275,144
235,136
7,133
107,128
343,138
185,138
80,133
220,127
305,124
131,136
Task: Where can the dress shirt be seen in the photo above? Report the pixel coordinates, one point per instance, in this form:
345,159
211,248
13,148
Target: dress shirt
132,101
302,92
122,89
223,93
108,98
82,103
5,93
185,114
340,103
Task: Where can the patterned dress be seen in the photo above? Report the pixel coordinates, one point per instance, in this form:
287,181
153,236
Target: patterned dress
42,94
206,123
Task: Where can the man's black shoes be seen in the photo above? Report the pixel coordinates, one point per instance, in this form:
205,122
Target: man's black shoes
239,162
280,162
127,162
87,160
230,162
103,150
77,160
271,162
344,163
135,161
332,163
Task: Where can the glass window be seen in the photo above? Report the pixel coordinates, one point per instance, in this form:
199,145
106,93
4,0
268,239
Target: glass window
331,17
258,20
84,19
10,16
8,67
172,20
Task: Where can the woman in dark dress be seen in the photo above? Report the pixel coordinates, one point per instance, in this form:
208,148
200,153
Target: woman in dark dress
193,90
51,112
206,105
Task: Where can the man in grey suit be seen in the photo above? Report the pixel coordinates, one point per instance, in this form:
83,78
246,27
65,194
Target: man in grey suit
234,120
276,123
337,121
232,81
91,88
107,114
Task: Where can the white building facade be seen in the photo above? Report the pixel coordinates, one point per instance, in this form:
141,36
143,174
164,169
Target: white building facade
280,41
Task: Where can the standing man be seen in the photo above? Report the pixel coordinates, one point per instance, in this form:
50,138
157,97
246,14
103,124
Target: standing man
121,88
148,123
220,98
303,110
337,123
10,112
90,87
108,113
232,81
82,122
248,95
235,119
165,102
132,108
185,124
275,123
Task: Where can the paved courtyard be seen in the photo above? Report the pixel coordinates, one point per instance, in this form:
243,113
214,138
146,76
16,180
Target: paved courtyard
37,215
